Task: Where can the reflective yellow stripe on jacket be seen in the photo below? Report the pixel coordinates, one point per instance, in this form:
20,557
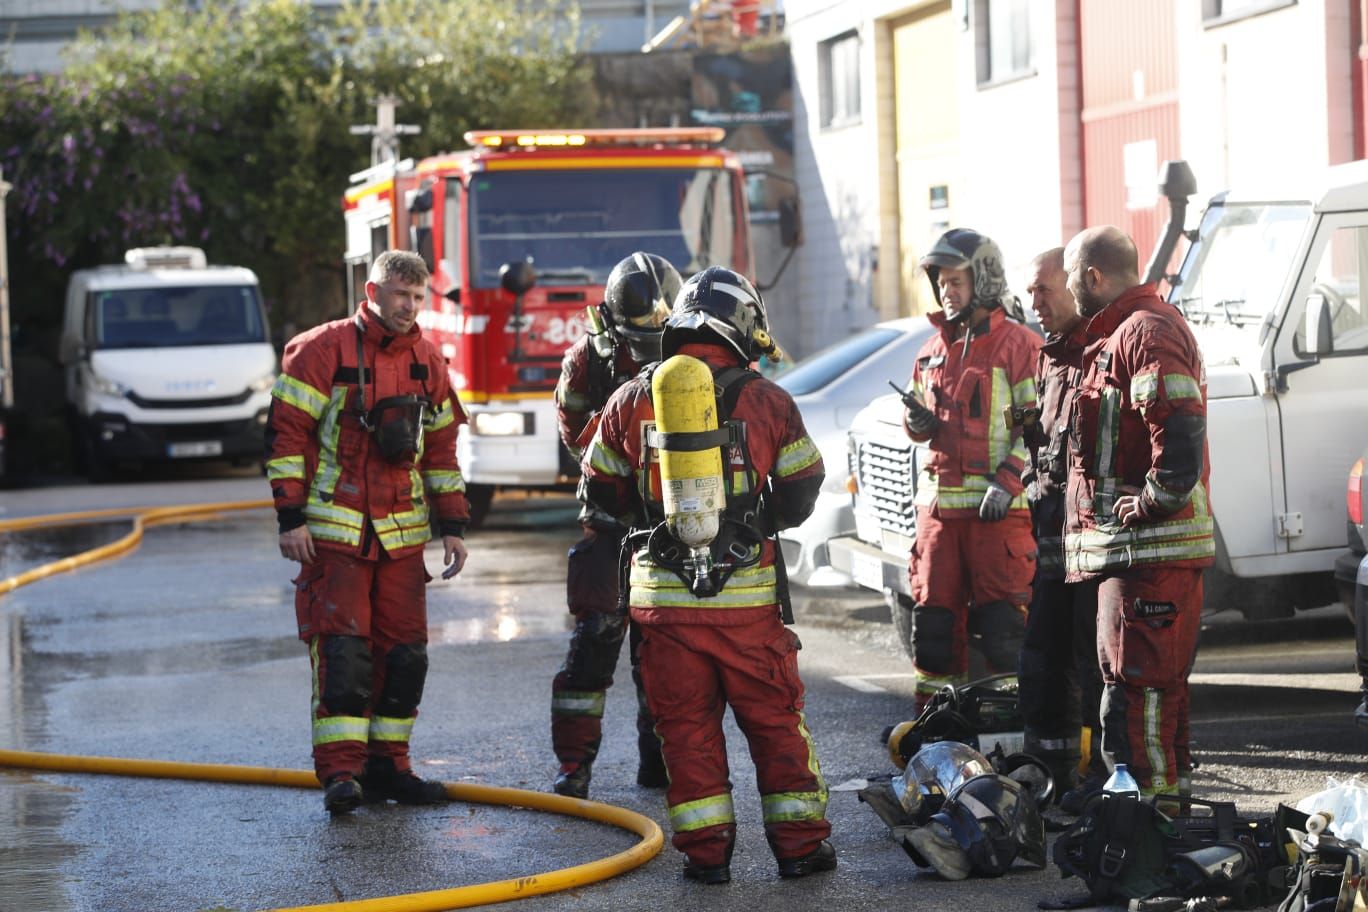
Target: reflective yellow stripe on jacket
965,496
1114,547
749,587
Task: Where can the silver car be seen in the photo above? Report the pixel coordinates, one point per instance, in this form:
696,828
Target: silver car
830,387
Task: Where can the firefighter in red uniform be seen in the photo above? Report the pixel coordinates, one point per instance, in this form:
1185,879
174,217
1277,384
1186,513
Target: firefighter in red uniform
972,388
1060,684
624,337
1138,515
361,443
719,640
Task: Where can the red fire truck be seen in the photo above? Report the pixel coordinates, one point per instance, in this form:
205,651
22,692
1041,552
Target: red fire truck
520,233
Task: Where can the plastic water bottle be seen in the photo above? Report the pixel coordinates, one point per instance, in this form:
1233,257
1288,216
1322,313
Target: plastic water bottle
1121,782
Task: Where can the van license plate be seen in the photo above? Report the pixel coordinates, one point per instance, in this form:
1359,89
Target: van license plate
867,571
194,448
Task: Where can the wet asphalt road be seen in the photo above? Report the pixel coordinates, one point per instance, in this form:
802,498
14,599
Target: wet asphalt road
185,650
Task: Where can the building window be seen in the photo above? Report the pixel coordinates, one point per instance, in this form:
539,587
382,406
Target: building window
1219,12
838,71
1003,39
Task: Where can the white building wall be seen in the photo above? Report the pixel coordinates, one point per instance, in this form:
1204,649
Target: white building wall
1254,102
847,175
1010,142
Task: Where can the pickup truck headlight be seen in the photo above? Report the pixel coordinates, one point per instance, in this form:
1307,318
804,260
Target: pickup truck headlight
501,424
263,383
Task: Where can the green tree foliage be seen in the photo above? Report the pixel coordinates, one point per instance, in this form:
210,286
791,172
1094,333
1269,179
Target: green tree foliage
225,125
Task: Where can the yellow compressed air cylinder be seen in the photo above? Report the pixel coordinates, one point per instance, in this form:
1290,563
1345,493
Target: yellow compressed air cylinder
691,481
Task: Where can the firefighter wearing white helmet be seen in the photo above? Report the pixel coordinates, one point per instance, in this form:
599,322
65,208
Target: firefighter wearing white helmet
706,581
624,336
971,392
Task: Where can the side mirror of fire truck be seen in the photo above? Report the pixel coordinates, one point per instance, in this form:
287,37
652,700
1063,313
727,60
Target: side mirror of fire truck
517,278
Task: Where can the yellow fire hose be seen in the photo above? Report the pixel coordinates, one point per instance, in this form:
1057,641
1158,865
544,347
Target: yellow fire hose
650,845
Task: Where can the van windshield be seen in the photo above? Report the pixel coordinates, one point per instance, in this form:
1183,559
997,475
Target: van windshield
1234,271
169,317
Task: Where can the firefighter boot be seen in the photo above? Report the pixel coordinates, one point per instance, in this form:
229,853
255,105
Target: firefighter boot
382,782
1361,714
573,781
822,858
709,874
651,770
342,796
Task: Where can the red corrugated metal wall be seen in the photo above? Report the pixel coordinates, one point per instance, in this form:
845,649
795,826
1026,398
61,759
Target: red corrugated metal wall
1130,95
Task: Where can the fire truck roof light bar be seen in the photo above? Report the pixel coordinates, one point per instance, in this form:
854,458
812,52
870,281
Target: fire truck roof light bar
514,139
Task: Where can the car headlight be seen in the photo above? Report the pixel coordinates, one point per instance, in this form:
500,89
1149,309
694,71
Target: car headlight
501,424
263,383
107,385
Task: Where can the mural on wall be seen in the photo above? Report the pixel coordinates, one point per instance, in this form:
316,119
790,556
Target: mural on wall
749,93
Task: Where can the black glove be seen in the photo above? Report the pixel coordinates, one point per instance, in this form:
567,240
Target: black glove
919,419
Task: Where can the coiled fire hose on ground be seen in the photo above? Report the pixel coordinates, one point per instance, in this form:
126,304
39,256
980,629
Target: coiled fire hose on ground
652,840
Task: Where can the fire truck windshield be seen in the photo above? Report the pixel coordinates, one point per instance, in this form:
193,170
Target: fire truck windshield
577,224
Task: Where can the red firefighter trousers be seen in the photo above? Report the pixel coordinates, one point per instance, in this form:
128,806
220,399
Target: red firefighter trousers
1147,624
366,625
968,578
692,672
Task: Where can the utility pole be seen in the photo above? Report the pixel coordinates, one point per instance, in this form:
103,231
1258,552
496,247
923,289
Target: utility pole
385,132
6,358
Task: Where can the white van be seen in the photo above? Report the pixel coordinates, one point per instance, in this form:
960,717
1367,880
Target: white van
166,358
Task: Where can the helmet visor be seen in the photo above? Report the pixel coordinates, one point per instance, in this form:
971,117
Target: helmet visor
653,320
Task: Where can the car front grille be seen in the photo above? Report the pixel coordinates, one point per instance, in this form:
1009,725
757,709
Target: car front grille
886,473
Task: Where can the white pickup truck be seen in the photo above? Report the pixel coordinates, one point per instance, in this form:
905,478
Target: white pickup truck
1271,285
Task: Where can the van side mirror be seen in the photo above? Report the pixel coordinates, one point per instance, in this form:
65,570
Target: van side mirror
517,278
1317,329
790,222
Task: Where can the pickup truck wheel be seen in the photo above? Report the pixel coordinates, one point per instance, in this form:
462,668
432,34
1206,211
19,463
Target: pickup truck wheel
900,610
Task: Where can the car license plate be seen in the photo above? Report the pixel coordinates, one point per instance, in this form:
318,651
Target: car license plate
867,571
194,448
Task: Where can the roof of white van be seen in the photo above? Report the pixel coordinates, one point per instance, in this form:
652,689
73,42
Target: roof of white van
103,277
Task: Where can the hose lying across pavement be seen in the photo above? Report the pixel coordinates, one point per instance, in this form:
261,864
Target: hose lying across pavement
650,845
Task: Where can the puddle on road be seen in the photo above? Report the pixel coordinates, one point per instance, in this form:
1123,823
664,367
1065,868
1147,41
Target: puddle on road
31,848
21,551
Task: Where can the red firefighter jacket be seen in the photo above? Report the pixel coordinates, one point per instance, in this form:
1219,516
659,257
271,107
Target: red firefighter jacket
1139,426
586,382
1058,370
774,448
327,470
970,386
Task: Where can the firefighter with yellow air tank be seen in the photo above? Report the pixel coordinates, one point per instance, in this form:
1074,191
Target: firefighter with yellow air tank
705,460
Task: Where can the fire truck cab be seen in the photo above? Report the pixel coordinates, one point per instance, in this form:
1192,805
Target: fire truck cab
520,233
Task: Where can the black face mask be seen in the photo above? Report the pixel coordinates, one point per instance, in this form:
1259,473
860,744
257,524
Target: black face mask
644,348
397,425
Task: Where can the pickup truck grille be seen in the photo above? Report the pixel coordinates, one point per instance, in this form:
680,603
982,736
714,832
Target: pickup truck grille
886,474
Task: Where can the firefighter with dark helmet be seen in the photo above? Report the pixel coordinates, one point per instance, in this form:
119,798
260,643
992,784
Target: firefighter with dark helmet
705,460
624,336
972,389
